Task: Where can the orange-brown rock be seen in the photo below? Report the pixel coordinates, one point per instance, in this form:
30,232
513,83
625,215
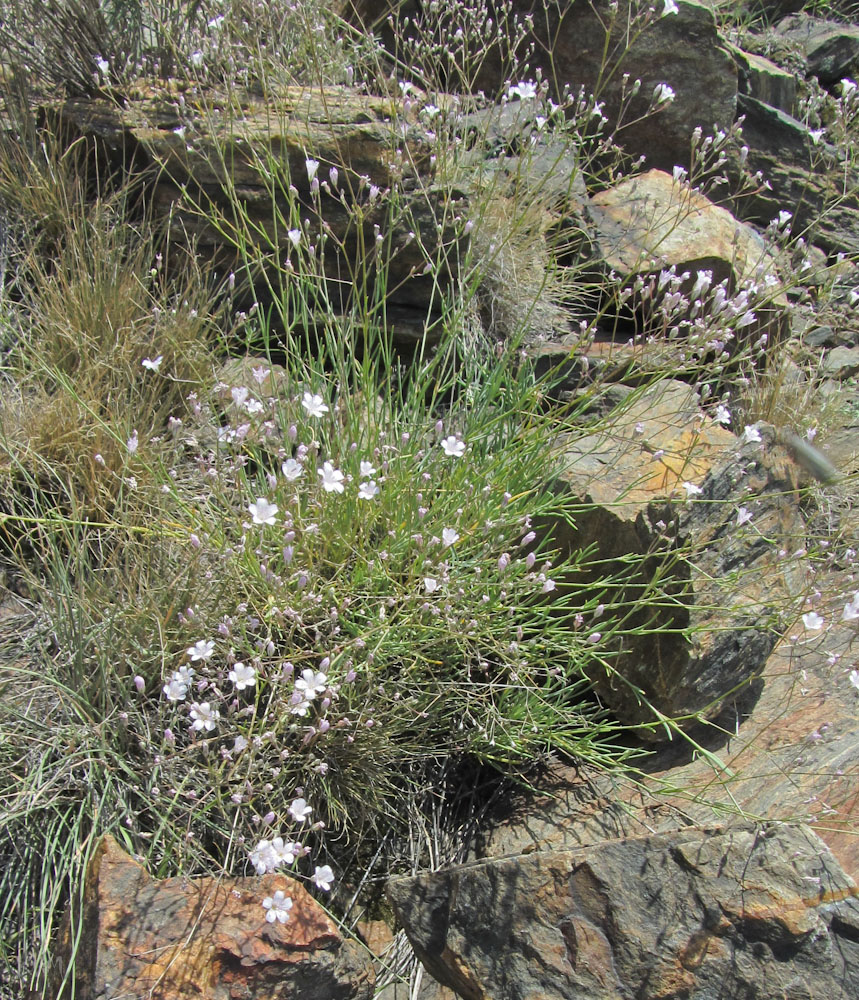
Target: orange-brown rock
183,938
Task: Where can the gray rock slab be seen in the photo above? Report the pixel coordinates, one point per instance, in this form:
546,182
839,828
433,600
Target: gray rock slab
703,913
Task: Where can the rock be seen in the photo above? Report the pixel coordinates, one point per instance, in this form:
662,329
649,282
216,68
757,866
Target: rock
703,589
178,939
831,49
841,362
651,221
683,50
213,157
765,81
823,200
701,913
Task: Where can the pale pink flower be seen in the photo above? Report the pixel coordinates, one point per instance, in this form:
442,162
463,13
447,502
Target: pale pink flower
332,479
277,907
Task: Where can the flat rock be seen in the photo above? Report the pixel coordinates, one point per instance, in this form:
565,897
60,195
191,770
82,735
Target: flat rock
663,484
651,221
750,911
178,939
213,161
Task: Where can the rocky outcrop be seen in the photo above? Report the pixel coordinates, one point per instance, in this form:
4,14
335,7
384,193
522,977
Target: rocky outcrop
830,48
701,913
574,39
179,938
663,482
226,173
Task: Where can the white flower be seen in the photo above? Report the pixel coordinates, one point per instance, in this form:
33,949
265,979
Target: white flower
277,907
663,94
548,586
367,491
132,443
175,689
692,490
722,414
525,91
366,470
750,434
243,676
262,511
103,65
854,678
312,166
311,683
263,857
783,219
851,609
292,469
239,394
431,585
449,536
216,22
204,716
240,743
300,705
324,877
284,853
299,810
453,446
253,406
201,650
743,516
197,58
152,364
314,404
816,134
670,8
679,174
812,620
332,479
848,87
294,236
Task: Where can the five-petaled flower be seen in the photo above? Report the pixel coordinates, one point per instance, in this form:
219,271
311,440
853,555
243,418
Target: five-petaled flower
311,683
525,91
152,364
449,536
692,490
277,907
367,491
332,479
204,716
670,8
292,469
813,621
262,511
201,650
750,434
453,446
851,609
744,515
299,810
366,470
324,877
314,404
243,676
663,94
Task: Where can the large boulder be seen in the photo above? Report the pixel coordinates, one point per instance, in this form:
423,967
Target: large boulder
220,172
178,939
753,912
593,43
658,493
